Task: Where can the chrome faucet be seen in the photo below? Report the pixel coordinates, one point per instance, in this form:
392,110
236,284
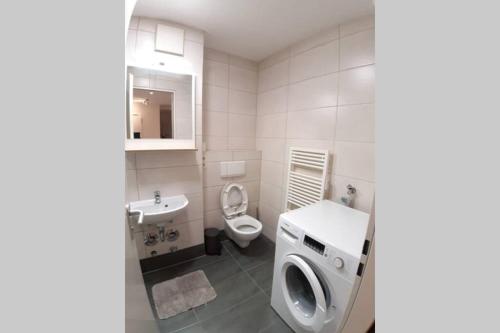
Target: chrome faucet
157,197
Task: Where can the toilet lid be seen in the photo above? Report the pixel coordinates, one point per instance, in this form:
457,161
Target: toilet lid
234,200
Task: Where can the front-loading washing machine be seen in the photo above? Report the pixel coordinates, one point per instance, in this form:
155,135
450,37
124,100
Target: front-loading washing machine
317,265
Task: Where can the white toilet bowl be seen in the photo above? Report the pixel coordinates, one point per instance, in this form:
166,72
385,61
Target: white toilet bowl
239,227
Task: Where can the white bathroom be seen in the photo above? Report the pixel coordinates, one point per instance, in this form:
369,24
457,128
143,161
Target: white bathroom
258,110
249,166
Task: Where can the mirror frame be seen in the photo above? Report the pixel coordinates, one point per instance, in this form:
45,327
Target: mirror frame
159,144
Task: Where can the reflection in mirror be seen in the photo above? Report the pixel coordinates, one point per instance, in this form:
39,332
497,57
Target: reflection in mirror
161,105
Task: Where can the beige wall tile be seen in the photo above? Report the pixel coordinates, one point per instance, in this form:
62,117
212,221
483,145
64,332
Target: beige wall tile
216,73
211,54
246,155
243,63
163,159
364,23
274,59
241,125
218,155
241,143
323,37
131,186
356,160
272,125
215,98
216,124
170,181
272,149
272,173
215,142
274,76
212,198
242,102
242,79
211,175
356,123
357,86
129,160
252,172
214,219
357,49
272,101
318,61
313,93
312,124
270,195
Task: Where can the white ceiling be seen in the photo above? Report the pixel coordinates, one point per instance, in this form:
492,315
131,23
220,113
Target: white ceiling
255,29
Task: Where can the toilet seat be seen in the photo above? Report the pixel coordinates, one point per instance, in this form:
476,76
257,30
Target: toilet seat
234,200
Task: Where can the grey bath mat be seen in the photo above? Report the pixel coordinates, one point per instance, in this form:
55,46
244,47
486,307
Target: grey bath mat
182,293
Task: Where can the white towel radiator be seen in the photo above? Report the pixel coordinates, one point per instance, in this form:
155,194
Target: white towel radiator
307,176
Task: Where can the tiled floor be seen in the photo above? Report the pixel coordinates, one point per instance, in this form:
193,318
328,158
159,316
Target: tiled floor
242,279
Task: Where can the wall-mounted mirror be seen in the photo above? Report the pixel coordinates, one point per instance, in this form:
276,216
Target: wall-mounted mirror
160,110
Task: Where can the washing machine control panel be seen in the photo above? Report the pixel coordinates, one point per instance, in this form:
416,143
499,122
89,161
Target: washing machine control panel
314,244
341,263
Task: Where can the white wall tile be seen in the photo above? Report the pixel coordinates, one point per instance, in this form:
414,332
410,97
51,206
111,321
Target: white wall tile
193,211
323,37
148,24
357,49
242,79
274,76
170,181
269,218
215,124
241,125
364,23
272,149
215,98
199,120
242,102
356,123
216,73
318,61
354,159
364,192
272,101
130,45
357,86
272,125
312,124
145,43
313,93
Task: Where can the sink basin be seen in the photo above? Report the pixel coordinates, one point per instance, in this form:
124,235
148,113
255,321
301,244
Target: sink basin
157,213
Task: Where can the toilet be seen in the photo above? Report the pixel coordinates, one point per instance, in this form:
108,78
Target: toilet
239,227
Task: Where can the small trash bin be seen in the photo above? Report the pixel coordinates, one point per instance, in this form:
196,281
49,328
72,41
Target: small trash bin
213,244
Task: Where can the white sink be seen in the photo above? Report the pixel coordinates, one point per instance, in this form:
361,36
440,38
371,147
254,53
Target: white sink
158,213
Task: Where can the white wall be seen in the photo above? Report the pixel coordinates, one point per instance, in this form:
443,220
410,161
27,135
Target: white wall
171,172
230,104
318,93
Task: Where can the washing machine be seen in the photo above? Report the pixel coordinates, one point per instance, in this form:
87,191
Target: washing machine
318,265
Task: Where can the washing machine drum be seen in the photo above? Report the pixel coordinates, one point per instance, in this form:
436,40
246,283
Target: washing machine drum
234,200
306,296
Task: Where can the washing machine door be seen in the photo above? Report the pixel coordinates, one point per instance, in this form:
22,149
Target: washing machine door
303,293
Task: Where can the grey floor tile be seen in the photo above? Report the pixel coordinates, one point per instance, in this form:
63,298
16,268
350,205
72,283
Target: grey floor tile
177,322
248,317
278,326
192,329
230,291
259,251
221,270
263,275
173,271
